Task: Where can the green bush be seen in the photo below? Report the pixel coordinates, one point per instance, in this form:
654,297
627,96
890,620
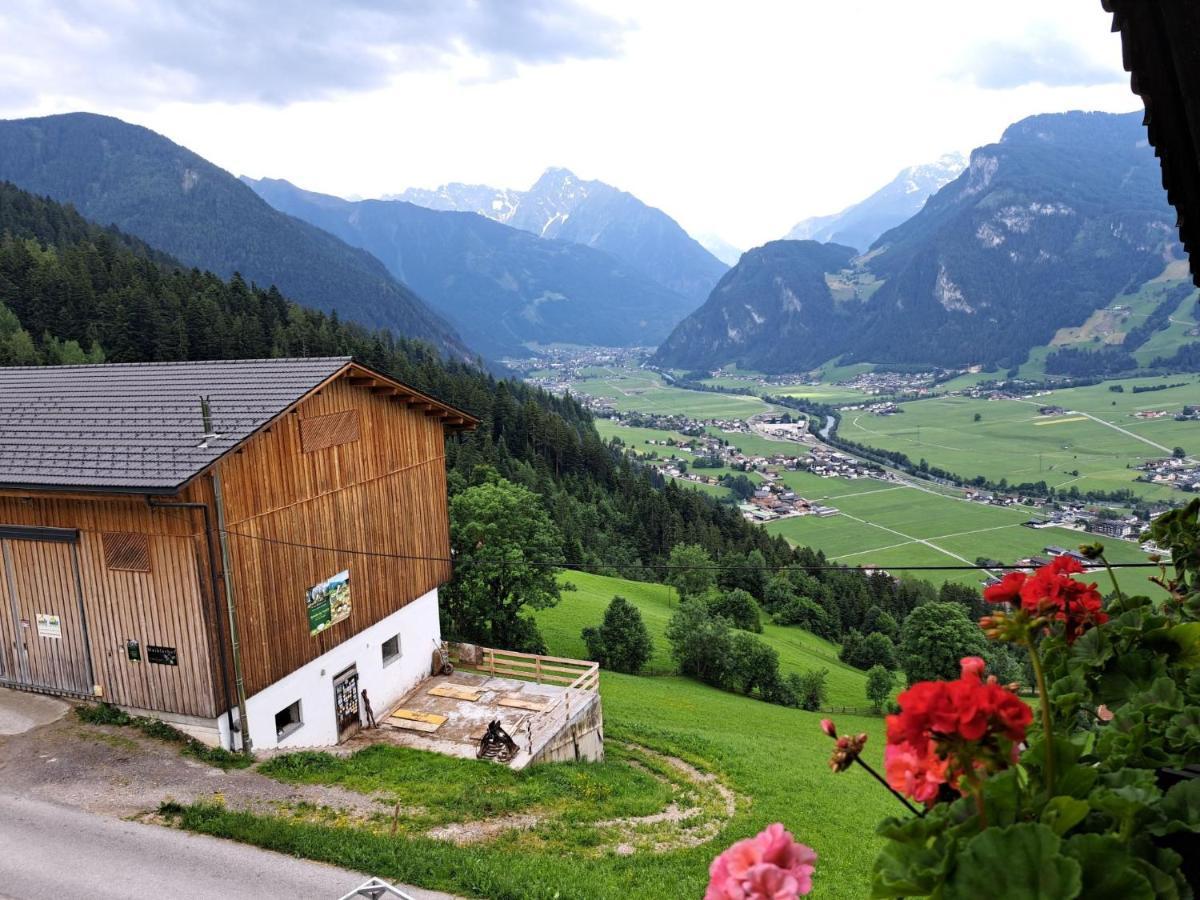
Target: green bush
880,684
754,666
701,643
875,649
809,688
621,643
739,607
934,637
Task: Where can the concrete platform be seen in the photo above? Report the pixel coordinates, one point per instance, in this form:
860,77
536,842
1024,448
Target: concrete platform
559,724
21,711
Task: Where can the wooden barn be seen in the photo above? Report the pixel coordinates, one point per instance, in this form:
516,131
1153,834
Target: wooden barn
238,547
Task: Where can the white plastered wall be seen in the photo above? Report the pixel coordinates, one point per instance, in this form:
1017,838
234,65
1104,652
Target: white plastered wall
312,684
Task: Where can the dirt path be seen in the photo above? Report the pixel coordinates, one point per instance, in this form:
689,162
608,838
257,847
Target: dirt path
700,809
118,772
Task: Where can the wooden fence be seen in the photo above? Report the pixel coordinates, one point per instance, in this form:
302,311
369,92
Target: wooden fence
576,674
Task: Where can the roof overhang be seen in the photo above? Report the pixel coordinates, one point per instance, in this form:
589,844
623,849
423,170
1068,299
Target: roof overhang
452,418
1160,41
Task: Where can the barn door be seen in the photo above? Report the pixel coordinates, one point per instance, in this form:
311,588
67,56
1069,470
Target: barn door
345,702
42,621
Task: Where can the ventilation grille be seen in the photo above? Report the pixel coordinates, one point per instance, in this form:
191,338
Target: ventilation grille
128,552
321,432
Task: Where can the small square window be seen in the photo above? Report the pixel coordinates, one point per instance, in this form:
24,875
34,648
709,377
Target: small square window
287,720
391,650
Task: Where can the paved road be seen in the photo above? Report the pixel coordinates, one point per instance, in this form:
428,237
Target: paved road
52,851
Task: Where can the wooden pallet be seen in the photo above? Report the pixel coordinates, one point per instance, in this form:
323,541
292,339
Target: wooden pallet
415,721
456,692
536,704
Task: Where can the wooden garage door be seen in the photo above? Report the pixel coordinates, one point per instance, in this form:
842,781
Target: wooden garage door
41,614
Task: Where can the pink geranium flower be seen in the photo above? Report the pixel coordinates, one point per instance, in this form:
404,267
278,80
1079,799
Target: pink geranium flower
772,865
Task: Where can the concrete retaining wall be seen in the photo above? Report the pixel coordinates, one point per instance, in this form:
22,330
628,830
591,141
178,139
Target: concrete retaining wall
579,740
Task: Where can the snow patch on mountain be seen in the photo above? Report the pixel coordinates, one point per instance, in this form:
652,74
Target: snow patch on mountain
860,224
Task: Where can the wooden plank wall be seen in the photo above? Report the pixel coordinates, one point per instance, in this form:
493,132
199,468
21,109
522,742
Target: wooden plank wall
166,606
384,492
43,575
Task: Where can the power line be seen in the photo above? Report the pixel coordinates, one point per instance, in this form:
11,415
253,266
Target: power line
565,564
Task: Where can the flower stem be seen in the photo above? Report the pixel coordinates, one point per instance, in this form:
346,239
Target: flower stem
977,791
920,813
1113,577
1047,727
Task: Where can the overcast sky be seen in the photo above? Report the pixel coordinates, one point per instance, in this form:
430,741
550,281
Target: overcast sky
737,118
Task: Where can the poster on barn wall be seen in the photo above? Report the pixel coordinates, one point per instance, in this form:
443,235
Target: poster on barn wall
328,602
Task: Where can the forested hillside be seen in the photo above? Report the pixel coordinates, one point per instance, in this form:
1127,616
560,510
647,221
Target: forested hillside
774,311
1063,217
501,287
128,176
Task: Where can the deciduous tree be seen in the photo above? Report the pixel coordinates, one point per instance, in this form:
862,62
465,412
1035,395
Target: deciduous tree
501,538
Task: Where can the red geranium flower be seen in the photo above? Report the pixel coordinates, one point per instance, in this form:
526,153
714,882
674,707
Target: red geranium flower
946,729
1007,590
1051,593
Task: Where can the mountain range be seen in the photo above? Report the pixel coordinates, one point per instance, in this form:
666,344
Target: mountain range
121,174
503,287
1064,216
564,207
860,224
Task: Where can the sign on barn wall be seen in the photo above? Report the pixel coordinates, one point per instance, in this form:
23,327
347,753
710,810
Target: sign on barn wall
328,602
49,626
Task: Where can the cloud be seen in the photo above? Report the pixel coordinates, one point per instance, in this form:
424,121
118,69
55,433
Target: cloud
278,52
1037,58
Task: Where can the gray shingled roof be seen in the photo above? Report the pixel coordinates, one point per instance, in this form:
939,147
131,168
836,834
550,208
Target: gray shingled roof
138,426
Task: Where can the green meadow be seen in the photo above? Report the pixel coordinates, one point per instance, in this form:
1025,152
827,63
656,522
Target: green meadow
798,650
771,760
1100,437
646,391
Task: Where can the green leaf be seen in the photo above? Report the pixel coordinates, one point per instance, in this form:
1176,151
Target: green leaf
1064,813
1023,861
1126,795
1187,638
1163,695
916,856
1076,781
1184,729
1002,797
1106,869
1091,650
1181,808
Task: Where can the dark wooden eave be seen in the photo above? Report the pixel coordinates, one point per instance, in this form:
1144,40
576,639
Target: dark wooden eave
1161,50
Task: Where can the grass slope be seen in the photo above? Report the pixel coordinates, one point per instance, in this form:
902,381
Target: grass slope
798,650
772,756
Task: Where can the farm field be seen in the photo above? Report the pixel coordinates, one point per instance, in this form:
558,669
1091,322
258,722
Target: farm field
634,437
890,525
1166,342
646,391
798,650
755,445
1011,440
772,759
